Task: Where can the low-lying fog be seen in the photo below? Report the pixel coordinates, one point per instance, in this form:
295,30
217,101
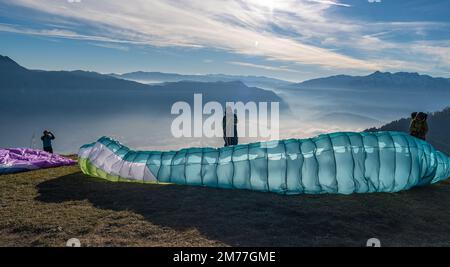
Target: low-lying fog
312,112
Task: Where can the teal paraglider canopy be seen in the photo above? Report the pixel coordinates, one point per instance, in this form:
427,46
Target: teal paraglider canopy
338,163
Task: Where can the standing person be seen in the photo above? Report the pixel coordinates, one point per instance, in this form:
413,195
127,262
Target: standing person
419,126
229,124
423,125
47,141
413,125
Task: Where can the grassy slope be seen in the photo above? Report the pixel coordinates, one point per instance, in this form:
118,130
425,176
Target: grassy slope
47,207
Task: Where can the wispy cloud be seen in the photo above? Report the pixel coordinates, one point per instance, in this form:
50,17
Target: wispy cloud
301,32
265,67
58,33
112,46
334,3
202,24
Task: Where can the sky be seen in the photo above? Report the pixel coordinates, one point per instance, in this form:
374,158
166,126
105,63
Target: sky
293,40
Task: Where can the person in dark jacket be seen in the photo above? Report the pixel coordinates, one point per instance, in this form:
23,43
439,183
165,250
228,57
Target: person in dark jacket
412,127
419,126
47,141
229,124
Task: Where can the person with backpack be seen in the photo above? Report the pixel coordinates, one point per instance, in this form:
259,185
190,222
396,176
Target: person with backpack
419,126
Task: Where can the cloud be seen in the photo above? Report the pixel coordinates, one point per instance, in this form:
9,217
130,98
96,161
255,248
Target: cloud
301,32
58,33
112,46
265,67
439,52
333,3
233,26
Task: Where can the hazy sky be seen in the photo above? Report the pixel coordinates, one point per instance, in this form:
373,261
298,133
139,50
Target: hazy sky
289,39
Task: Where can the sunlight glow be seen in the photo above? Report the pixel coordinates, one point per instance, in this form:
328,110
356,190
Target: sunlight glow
269,5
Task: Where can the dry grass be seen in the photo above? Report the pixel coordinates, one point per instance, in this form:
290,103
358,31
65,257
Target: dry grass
47,207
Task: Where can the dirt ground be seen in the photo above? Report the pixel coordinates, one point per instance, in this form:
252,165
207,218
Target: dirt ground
48,207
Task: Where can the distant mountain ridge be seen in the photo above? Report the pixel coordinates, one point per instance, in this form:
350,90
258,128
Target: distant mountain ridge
384,80
7,63
14,76
160,77
376,80
438,122
94,89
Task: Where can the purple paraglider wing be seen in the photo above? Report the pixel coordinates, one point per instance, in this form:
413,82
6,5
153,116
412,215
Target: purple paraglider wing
14,160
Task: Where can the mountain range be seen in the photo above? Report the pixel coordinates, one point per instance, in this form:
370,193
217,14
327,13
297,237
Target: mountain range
81,89
22,77
160,77
377,80
14,76
365,101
